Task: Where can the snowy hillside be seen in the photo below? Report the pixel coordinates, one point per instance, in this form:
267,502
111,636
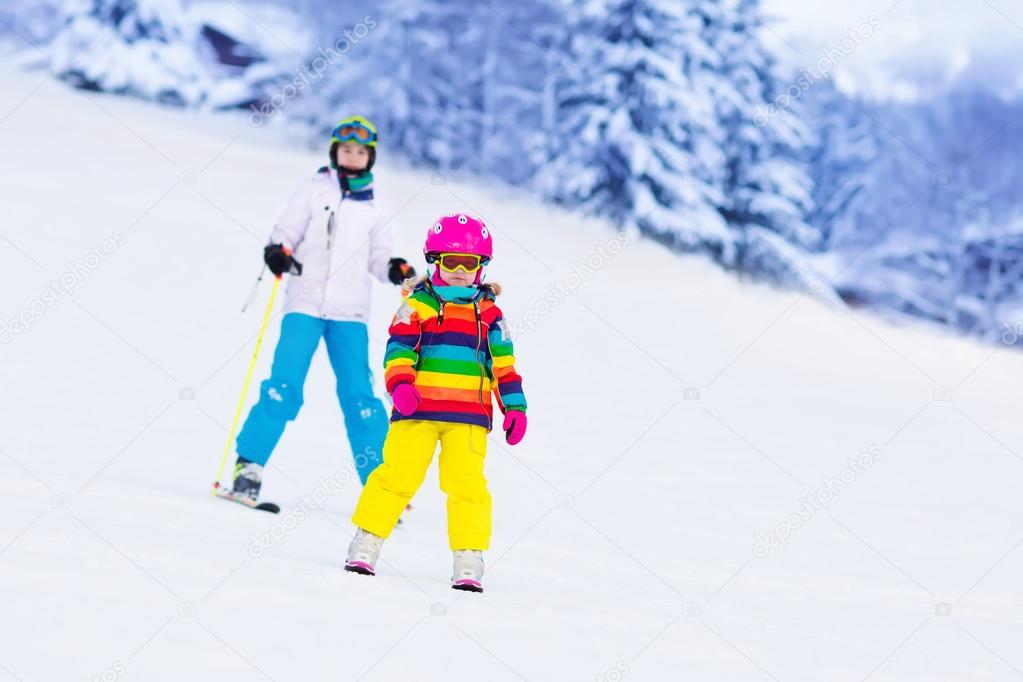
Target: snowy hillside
845,148
683,507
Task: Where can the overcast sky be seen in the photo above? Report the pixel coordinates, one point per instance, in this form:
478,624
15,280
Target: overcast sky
921,45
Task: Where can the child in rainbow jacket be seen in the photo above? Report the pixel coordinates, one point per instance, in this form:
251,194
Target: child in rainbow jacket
449,348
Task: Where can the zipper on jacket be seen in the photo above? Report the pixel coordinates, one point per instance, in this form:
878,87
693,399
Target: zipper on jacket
330,230
479,342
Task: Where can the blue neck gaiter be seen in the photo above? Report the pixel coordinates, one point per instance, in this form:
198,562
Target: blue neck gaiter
453,294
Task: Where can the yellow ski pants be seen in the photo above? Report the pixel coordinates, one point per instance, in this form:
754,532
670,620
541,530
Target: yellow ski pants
408,452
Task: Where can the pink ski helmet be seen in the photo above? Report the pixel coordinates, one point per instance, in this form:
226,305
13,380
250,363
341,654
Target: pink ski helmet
459,233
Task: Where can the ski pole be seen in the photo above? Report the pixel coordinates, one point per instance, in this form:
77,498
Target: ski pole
255,289
245,385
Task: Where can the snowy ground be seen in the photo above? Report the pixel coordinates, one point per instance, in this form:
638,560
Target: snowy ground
676,414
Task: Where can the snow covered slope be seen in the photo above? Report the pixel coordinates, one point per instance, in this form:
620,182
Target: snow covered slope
681,423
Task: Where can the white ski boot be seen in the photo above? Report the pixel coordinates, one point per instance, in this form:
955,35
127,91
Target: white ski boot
363,552
468,572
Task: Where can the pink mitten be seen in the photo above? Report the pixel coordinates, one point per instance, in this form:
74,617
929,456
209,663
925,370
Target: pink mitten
406,398
514,426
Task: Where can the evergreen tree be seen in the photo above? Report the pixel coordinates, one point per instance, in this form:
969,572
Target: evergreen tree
657,127
842,161
636,135
456,85
921,209
142,49
766,186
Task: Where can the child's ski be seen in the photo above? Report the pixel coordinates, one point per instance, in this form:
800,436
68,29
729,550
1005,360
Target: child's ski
248,502
467,585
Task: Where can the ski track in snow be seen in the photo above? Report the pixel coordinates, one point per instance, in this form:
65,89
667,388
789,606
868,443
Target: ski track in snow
624,524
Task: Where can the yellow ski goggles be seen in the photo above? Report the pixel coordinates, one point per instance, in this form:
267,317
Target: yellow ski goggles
467,262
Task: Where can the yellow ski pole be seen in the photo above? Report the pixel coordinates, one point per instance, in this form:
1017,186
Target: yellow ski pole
245,386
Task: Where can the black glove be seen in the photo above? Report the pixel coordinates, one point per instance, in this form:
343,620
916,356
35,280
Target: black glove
280,261
399,270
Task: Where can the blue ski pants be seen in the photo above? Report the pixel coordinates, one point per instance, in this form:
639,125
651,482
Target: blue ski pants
280,396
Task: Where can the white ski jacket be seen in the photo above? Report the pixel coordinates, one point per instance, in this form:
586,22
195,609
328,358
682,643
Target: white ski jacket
340,242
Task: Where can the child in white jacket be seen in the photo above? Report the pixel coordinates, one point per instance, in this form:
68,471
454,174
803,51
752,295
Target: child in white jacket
333,238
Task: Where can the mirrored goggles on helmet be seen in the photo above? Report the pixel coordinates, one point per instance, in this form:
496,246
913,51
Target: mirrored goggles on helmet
450,262
353,130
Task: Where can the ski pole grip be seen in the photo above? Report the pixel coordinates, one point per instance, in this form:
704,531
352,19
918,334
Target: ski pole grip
296,267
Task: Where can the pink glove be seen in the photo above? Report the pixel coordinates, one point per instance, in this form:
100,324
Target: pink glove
406,398
514,426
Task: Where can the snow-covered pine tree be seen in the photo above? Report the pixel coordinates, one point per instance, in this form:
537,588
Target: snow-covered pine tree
990,304
936,231
656,127
637,140
121,46
524,43
431,64
455,86
161,51
841,163
766,186
369,77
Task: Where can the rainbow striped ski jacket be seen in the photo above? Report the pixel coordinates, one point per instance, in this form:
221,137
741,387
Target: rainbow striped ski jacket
455,353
